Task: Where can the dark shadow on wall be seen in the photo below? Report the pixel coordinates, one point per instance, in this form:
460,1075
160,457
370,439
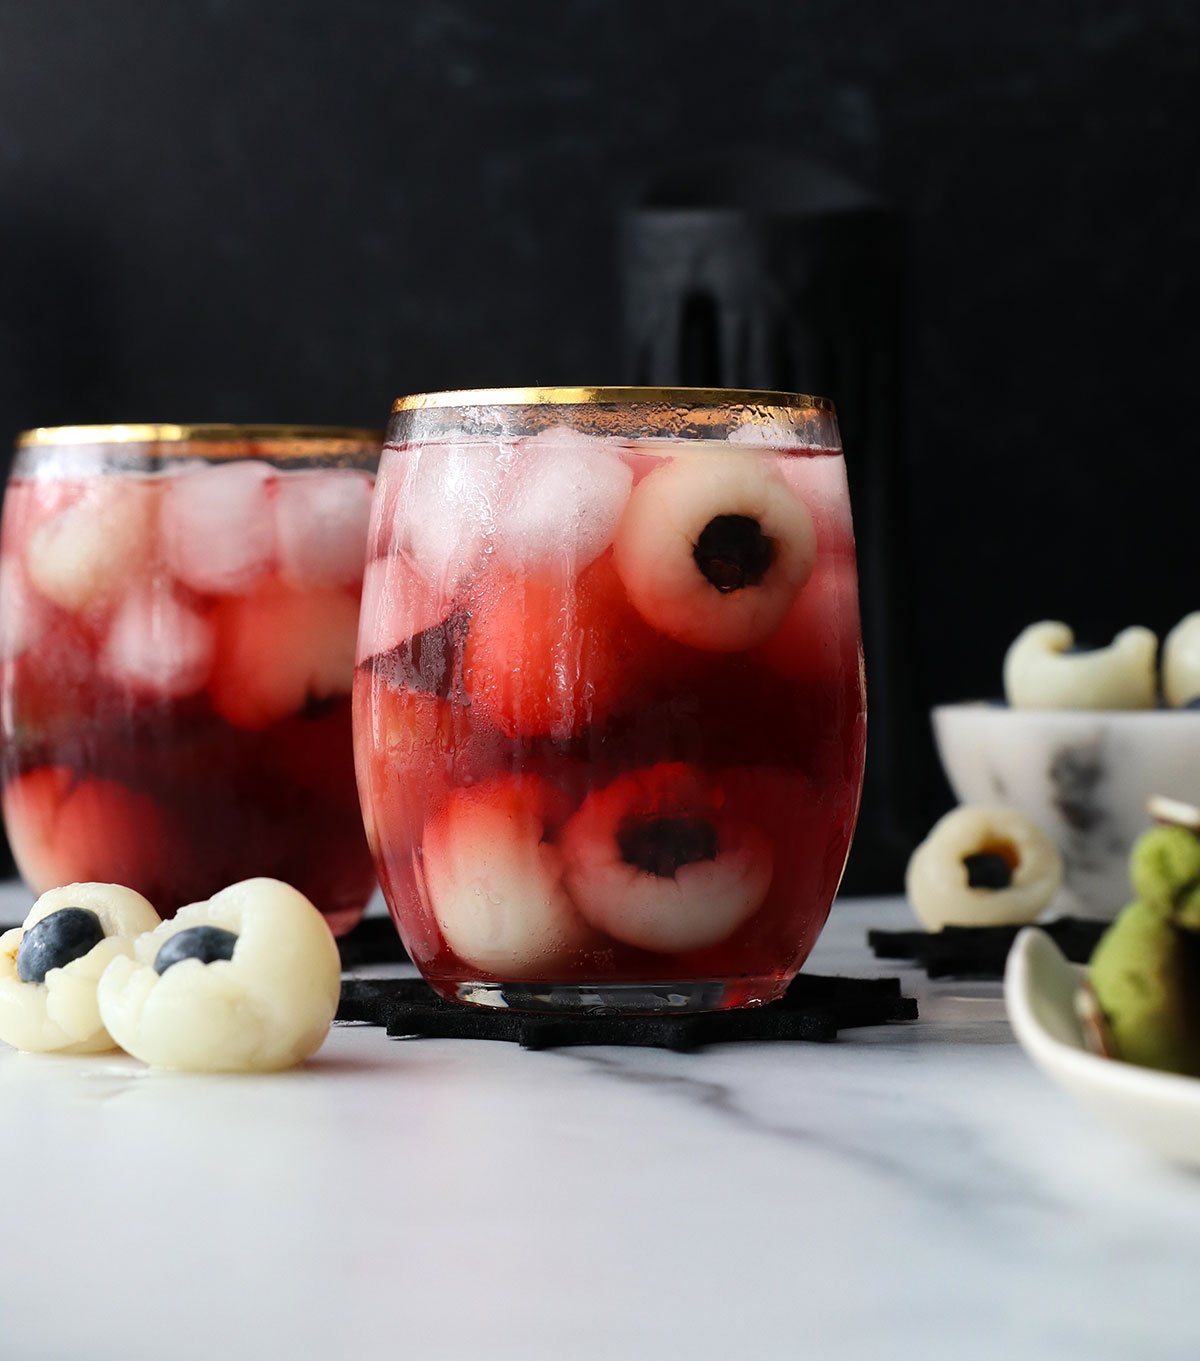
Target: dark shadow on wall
766,270
55,300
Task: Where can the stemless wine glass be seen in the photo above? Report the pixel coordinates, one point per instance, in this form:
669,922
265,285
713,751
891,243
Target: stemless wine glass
609,708
178,608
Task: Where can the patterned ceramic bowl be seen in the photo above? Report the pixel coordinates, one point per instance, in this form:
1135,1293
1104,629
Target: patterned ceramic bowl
1083,777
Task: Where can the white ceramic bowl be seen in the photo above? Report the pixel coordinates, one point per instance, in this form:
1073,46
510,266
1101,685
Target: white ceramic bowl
1159,1110
1083,778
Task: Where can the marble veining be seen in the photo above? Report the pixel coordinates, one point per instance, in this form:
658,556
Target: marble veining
962,1165
912,1190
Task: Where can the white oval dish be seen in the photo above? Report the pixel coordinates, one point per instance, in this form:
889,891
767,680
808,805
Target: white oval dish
1161,1111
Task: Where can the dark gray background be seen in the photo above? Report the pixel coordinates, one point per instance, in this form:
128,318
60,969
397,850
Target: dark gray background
286,210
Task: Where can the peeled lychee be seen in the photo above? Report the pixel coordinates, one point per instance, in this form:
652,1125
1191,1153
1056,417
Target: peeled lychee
656,860
1181,662
713,548
88,552
983,866
1041,671
495,880
54,1007
247,981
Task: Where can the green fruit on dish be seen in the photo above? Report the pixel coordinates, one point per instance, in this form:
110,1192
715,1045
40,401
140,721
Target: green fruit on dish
1145,974
1165,871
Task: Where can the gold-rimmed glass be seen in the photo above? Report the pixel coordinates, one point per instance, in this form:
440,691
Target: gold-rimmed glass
609,715
178,606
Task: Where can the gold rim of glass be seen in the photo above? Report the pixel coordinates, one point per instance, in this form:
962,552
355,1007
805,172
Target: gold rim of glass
624,396
175,434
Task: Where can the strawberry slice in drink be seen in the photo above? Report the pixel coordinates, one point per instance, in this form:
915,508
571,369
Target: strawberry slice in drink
420,745
551,655
67,830
278,648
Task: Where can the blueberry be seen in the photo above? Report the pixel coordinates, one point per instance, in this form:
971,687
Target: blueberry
205,943
56,940
987,869
732,552
662,846
1193,703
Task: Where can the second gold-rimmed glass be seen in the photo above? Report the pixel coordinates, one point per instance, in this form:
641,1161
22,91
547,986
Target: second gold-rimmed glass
609,710
178,607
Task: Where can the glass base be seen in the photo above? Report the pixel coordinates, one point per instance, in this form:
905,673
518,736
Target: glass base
618,999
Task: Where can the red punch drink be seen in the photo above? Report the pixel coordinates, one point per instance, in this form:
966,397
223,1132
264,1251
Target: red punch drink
178,607
609,710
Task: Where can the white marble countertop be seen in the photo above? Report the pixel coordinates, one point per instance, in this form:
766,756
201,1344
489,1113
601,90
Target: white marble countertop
911,1191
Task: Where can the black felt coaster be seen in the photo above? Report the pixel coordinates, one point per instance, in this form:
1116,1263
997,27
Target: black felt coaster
814,1008
980,951
374,940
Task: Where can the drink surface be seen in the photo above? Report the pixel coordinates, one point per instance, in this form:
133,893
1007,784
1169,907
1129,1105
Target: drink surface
609,710
176,659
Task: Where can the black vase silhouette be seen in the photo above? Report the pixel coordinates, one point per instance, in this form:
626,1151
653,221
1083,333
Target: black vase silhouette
768,271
